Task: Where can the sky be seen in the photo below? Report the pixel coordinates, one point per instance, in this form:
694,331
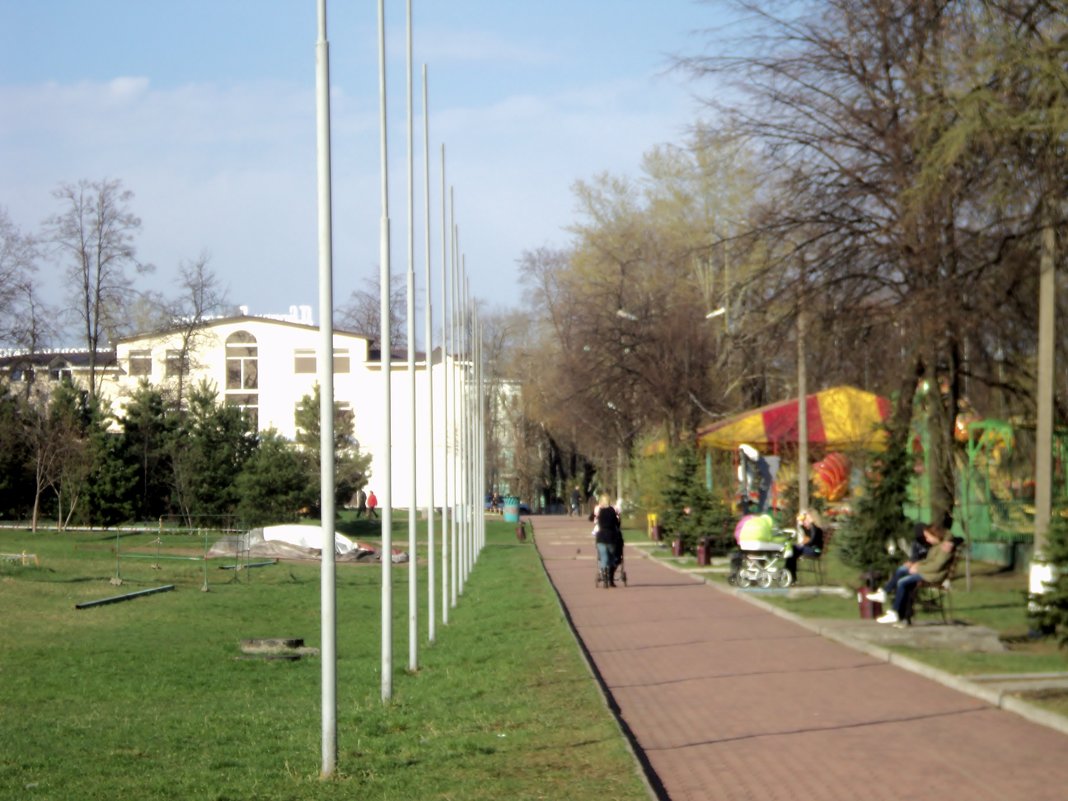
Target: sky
205,110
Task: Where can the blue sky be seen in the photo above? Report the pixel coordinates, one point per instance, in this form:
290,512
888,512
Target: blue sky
205,109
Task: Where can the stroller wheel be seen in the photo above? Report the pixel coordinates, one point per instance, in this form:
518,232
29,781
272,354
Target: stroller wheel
784,579
743,581
764,579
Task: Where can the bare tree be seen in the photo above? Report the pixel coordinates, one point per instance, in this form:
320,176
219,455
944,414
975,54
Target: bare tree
361,313
201,297
60,460
24,318
95,234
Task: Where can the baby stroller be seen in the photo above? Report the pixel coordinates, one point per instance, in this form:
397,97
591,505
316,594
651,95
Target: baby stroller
603,580
762,563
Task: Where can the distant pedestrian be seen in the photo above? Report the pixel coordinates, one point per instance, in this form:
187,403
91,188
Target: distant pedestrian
372,504
576,499
361,502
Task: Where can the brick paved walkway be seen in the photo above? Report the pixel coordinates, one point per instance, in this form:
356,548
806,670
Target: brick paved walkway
725,700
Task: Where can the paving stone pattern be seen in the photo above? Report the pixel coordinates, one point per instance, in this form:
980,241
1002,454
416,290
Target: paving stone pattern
726,700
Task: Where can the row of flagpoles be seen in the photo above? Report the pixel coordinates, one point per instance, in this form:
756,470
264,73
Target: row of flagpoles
462,437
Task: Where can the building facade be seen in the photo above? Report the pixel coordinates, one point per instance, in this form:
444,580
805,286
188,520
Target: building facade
266,366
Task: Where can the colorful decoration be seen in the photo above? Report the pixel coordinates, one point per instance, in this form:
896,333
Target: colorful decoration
838,418
831,476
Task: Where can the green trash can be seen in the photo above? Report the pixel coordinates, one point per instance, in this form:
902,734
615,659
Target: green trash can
511,509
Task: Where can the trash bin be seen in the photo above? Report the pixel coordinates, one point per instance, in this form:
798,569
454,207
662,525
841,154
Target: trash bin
511,509
869,610
704,551
676,547
657,533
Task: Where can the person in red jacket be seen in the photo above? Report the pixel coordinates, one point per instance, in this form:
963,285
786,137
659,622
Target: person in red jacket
372,504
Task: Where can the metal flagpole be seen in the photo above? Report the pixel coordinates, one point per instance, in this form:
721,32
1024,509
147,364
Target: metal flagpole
472,485
445,516
454,465
386,365
328,590
413,509
465,425
481,436
461,413
428,319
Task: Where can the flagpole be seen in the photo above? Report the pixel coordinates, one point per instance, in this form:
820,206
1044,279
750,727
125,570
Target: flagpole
413,509
386,365
445,516
454,466
428,320
328,590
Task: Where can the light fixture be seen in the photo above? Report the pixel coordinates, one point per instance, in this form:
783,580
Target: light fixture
626,315
721,310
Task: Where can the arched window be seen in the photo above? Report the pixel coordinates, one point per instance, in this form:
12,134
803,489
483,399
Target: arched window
242,373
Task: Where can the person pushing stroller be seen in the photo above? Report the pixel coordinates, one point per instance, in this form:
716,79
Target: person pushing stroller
608,534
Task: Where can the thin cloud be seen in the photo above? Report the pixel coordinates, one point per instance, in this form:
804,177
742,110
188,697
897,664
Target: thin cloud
467,46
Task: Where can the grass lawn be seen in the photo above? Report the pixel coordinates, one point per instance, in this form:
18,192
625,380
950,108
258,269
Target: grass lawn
151,699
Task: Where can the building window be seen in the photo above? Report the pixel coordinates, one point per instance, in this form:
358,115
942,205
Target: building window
248,403
140,362
242,364
242,374
57,371
304,361
341,360
177,364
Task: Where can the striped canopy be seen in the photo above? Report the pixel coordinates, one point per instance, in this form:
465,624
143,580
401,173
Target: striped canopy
840,418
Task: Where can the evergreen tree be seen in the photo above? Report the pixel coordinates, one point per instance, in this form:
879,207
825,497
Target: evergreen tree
351,466
111,485
1049,610
878,516
147,430
16,481
707,515
208,451
273,485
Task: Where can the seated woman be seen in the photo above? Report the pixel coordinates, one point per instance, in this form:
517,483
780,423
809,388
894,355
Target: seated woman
932,569
810,532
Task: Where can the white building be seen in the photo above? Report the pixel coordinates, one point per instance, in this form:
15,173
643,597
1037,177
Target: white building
267,365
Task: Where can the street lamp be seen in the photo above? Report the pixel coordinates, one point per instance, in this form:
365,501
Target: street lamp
716,313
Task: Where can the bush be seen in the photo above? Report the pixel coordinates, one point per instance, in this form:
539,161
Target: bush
877,516
686,490
1049,611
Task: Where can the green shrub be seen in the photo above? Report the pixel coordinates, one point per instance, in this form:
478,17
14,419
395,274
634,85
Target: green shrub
1049,610
877,516
691,512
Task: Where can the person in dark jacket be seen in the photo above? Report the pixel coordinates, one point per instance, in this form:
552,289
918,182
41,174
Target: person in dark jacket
608,536
810,539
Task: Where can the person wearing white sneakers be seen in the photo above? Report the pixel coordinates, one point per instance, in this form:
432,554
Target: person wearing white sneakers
932,569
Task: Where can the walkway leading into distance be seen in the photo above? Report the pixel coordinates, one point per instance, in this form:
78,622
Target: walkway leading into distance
726,700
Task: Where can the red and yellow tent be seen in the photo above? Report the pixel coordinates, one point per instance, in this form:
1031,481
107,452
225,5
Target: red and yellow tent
840,418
